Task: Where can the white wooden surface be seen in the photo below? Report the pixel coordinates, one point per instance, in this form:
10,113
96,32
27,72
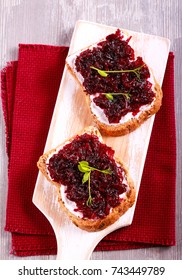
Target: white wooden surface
52,22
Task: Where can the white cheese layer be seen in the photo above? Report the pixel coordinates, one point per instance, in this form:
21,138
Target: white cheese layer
99,113
70,205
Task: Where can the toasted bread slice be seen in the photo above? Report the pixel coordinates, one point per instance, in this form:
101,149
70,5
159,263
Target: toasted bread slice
132,119
94,221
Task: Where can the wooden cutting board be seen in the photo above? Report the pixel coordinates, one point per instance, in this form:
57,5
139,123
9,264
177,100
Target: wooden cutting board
71,115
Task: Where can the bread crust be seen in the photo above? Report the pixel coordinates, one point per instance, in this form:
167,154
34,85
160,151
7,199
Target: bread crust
133,123
83,223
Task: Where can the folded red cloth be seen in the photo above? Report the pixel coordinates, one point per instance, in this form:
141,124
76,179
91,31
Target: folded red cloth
29,91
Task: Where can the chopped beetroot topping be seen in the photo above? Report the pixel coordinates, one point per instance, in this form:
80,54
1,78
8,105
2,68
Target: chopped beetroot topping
115,54
105,188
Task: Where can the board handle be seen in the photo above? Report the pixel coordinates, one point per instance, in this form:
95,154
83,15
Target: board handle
74,243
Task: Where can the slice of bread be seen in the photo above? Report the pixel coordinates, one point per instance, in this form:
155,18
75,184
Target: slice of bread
130,120
119,173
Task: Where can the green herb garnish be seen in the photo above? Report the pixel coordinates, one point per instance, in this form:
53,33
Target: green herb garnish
104,73
84,167
110,96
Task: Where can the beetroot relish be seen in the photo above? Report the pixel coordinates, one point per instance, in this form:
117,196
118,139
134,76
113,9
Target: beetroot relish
105,188
115,53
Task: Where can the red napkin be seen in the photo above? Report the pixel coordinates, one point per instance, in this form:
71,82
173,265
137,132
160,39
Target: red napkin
29,91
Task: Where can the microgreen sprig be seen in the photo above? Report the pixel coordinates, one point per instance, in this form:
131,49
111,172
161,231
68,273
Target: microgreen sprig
104,73
84,167
111,95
